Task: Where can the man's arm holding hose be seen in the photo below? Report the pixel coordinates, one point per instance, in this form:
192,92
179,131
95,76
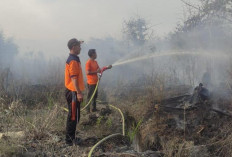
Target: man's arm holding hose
99,70
93,72
106,68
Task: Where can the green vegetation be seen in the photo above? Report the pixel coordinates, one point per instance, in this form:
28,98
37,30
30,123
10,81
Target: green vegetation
134,130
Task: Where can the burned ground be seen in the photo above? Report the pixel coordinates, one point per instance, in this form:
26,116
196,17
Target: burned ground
164,125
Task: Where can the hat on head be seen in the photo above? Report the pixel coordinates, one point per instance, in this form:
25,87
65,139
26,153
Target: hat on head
74,42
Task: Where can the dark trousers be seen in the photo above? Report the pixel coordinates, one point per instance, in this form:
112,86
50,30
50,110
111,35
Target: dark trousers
73,115
91,89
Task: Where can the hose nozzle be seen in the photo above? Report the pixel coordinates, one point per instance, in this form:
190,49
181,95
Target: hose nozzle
109,66
105,68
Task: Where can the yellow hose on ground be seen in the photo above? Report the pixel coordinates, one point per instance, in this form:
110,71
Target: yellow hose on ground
110,136
65,109
123,119
104,139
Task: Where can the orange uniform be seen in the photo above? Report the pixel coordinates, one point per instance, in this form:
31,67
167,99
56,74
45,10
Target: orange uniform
91,65
73,70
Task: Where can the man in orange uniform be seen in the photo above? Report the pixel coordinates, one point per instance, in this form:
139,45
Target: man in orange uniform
74,87
92,69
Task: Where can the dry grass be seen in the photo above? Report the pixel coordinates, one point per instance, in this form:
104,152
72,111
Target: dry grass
222,143
45,126
10,147
37,125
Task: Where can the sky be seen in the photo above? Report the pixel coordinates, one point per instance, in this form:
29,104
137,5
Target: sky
46,25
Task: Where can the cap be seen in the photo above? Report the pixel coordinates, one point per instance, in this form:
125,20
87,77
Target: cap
73,42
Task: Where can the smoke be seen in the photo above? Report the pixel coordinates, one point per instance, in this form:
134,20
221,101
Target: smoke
8,50
206,41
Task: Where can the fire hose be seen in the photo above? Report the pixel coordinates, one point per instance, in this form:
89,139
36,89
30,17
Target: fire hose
110,136
95,90
123,119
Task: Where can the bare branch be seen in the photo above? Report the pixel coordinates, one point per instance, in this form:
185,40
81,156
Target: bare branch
191,5
200,10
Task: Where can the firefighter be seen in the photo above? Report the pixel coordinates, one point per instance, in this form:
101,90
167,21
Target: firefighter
74,87
92,69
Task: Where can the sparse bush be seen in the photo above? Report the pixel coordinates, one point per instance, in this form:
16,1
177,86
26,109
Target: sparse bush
99,120
133,130
109,122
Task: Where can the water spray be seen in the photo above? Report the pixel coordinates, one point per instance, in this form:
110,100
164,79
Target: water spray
155,55
129,61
